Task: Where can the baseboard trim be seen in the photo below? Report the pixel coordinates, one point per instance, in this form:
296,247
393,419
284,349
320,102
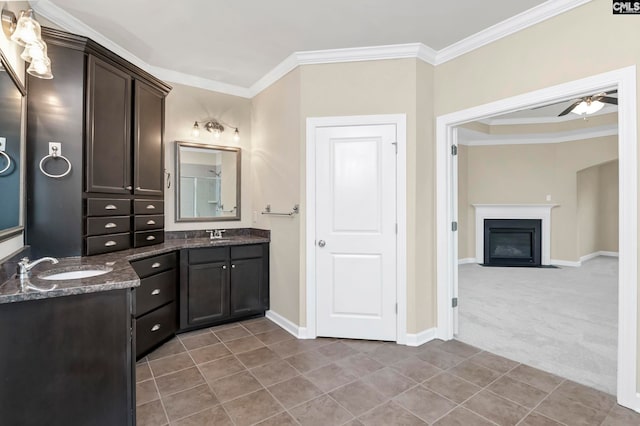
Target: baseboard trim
565,263
293,329
421,338
466,260
609,253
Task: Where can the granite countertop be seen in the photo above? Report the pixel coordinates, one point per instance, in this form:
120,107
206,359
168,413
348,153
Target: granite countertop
121,273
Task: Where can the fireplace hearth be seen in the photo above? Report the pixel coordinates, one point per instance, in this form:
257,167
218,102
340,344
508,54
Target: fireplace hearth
512,242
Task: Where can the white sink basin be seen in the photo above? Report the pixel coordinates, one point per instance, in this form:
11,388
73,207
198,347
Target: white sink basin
74,275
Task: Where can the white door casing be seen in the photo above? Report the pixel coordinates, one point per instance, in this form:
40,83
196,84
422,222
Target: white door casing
446,194
355,232
354,186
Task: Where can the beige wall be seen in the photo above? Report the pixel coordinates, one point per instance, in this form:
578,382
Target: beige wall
540,56
608,207
588,182
277,148
184,105
526,174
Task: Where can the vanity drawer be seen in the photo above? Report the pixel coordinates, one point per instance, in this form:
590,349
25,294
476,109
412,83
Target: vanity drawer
108,207
155,327
108,243
148,206
245,252
107,225
155,291
143,223
208,255
154,265
148,238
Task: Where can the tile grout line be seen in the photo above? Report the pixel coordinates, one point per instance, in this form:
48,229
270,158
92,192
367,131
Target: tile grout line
544,399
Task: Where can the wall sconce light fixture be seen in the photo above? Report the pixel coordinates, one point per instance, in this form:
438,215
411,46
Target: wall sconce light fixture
26,32
212,126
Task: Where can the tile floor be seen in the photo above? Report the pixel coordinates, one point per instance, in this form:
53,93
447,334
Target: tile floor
254,372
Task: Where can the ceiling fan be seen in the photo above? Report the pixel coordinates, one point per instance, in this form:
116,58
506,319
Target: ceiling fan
591,104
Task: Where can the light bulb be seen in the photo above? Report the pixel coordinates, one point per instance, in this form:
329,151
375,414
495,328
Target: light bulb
27,30
34,51
40,68
195,132
216,133
236,135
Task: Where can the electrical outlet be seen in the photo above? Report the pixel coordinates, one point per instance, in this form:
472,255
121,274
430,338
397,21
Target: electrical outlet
549,197
3,144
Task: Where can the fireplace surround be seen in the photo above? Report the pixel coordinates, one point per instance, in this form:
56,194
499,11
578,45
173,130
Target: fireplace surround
514,211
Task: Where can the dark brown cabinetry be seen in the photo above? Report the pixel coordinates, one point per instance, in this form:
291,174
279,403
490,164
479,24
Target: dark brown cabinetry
109,117
222,284
68,361
155,301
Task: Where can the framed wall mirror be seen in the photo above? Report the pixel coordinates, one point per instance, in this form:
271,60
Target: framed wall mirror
207,182
12,93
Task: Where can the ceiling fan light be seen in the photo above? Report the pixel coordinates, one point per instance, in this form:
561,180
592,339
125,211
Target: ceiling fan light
195,132
587,108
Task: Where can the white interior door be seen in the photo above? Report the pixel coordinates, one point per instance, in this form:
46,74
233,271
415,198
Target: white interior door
356,231
454,213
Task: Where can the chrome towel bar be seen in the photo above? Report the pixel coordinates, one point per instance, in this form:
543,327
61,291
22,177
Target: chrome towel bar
294,211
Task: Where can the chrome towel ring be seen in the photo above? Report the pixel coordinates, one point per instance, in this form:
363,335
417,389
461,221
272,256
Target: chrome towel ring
8,161
54,154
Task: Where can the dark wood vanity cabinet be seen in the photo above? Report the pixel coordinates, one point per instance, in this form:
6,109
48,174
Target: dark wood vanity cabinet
68,361
108,115
108,139
221,284
155,301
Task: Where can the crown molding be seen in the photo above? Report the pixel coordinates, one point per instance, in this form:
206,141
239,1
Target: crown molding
420,51
352,54
509,26
542,120
550,138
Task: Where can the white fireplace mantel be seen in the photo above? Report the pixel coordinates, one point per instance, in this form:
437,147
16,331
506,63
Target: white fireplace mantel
514,211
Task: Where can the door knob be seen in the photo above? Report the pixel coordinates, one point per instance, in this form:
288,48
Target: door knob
321,243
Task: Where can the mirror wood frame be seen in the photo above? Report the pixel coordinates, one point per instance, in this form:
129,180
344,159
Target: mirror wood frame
8,233
177,203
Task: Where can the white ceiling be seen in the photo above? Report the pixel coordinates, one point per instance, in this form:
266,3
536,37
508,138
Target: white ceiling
239,41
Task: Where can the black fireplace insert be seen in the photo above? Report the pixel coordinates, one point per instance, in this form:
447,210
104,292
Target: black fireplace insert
512,242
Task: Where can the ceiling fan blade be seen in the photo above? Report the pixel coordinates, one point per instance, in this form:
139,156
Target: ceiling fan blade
548,105
608,100
568,110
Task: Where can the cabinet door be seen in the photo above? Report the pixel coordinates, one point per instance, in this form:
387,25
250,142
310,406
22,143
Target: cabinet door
208,296
246,286
108,128
149,158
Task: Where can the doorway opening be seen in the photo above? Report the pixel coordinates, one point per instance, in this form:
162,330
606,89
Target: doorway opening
447,209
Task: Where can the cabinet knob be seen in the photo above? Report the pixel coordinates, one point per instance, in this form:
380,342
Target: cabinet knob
110,225
233,266
110,244
151,222
138,188
110,207
155,292
155,328
151,238
224,266
128,188
155,265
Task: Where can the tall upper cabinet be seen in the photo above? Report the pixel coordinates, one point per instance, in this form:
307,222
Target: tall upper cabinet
108,117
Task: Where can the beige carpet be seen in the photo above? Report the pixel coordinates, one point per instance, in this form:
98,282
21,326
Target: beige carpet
563,321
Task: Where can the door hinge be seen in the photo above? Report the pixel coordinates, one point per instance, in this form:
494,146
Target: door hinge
454,302
454,149
396,308
454,226
395,145
396,228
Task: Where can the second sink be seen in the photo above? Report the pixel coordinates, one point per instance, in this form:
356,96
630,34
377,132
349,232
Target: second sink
74,273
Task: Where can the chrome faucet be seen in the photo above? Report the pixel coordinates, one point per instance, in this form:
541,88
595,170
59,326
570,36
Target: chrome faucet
24,267
217,234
